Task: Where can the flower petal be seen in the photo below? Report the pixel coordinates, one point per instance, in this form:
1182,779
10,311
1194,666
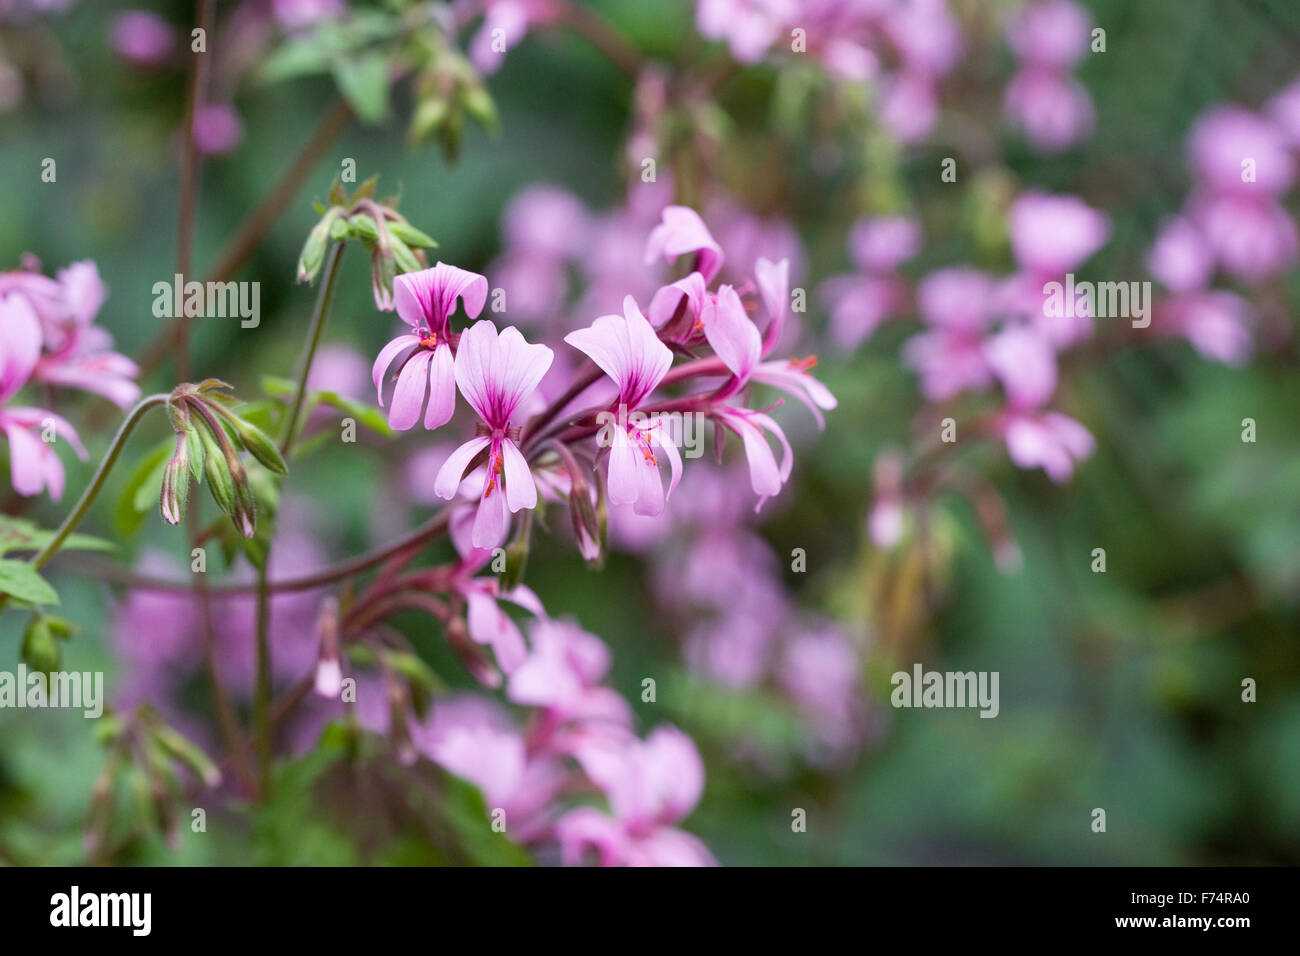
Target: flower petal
412,387
442,388
447,482
521,491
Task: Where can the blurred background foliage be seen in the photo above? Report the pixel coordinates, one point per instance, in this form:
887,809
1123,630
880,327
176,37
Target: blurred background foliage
1119,690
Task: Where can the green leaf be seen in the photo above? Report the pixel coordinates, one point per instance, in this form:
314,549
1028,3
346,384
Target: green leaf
21,580
19,534
363,81
368,415
350,801
127,516
148,491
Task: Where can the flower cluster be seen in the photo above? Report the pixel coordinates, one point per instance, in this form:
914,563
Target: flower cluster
48,337
1234,223
498,373
1043,98
853,42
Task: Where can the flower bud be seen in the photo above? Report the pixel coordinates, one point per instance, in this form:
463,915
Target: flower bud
313,250
329,673
40,650
259,444
176,482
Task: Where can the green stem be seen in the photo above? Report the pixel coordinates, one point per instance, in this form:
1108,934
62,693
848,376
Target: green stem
324,296
97,482
262,724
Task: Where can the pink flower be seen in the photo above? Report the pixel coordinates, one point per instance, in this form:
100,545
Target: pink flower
732,336
425,301
909,105
1024,361
76,353
628,351
144,38
473,738
495,374
1226,141
504,26
217,129
1051,235
489,625
1046,440
1253,238
1053,34
749,27
958,303
765,476
297,14
682,232
1054,110
650,785
1180,258
882,245
90,365
563,674
1216,323
33,465
1284,110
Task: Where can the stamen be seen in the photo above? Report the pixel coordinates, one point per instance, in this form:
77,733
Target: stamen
803,364
429,341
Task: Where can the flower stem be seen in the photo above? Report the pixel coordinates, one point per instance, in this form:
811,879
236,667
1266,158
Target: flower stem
262,691
324,297
97,482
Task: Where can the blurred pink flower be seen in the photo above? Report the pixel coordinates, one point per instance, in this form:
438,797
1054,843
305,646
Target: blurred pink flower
217,129
1047,440
33,465
1053,34
142,37
1227,140
682,232
651,785
749,27
1054,110
1051,235
1180,258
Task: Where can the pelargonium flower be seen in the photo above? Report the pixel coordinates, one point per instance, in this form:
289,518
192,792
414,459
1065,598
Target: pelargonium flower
33,465
1050,235
143,37
651,785
682,232
765,476
957,303
628,351
563,675
750,27
75,352
495,374
425,301
1047,440
507,21
789,375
